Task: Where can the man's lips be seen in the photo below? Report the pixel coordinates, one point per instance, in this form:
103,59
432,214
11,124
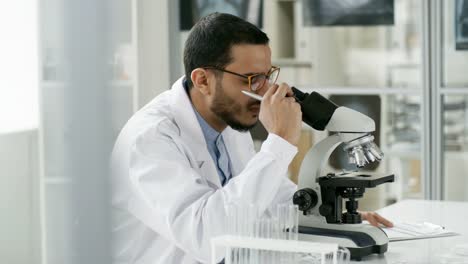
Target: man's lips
254,107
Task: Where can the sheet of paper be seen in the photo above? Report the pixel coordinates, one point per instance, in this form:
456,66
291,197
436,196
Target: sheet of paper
408,231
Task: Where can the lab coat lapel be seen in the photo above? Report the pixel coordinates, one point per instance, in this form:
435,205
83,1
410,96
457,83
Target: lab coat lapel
191,133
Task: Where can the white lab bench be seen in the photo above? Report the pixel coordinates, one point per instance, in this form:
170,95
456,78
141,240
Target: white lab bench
452,215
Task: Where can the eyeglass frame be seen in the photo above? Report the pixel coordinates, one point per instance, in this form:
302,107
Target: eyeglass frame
248,77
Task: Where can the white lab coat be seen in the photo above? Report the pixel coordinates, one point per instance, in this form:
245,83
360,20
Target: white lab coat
167,199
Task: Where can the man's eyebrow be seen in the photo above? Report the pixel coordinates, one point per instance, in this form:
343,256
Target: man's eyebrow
256,73
253,73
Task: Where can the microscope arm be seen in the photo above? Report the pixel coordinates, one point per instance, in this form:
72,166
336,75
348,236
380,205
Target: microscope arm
320,154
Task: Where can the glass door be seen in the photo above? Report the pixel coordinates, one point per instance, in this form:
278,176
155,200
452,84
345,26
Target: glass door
454,99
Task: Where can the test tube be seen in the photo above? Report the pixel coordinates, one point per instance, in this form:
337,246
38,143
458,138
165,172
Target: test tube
294,222
247,221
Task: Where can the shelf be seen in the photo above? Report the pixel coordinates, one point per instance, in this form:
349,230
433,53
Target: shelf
52,84
362,90
291,62
58,84
57,180
120,83
403,154
410,195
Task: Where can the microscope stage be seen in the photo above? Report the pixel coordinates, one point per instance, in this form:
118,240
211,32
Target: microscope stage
356,179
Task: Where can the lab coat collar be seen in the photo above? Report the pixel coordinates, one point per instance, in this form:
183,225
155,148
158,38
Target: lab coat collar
190,130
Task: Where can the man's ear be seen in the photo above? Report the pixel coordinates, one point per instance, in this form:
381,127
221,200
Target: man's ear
200,80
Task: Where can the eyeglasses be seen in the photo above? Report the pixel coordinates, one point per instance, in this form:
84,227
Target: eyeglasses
256,81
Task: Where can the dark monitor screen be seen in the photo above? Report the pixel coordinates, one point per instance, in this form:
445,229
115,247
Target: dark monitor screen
348,12
192,10
461,24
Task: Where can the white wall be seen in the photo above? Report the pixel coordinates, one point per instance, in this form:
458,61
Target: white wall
156,56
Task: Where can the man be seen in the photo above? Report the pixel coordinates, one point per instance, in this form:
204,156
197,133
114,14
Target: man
185,155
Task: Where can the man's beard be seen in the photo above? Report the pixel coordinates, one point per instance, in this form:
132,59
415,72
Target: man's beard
225,108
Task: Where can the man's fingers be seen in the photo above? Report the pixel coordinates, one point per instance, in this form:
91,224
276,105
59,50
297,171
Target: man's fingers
383,220
290,92
375,219
271,90
281,92
371,219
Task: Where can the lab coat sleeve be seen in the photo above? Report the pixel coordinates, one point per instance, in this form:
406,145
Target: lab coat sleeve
285,193
288,188
264,180
173,199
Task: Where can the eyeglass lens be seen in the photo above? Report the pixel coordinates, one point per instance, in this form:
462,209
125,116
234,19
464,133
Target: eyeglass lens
258,81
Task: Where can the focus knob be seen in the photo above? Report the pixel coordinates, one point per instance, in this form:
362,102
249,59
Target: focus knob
325,210
305,199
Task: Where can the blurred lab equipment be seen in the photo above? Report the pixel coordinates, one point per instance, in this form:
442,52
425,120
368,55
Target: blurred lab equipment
270,237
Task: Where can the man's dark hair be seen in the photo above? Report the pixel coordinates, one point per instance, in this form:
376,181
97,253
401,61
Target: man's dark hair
211,38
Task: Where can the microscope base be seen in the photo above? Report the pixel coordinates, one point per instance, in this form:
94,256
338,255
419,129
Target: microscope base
361,240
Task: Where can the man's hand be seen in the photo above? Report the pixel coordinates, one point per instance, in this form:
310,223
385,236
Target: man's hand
375,219
281,115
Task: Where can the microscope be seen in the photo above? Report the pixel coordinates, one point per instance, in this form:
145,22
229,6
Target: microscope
320,196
